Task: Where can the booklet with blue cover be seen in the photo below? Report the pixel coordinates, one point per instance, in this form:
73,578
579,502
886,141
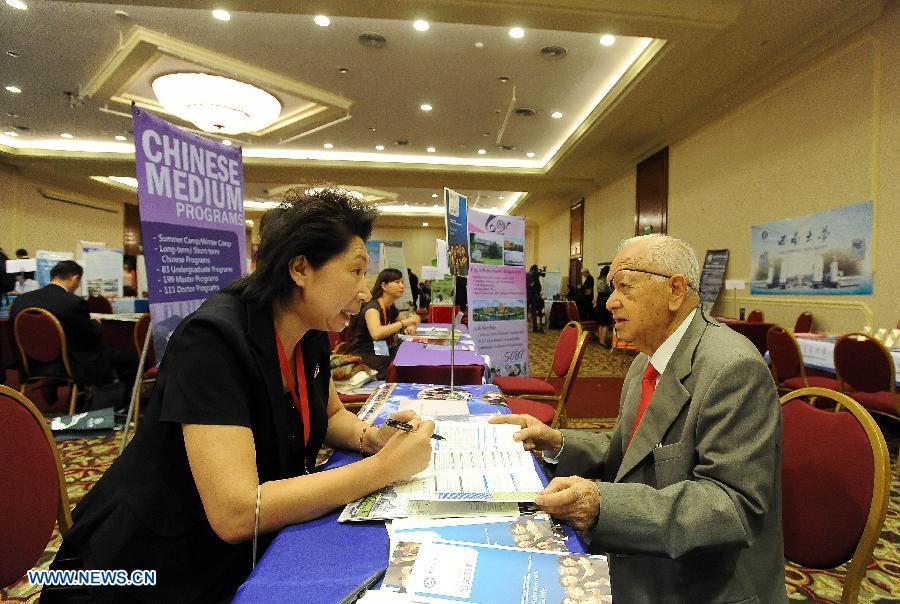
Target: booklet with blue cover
450,571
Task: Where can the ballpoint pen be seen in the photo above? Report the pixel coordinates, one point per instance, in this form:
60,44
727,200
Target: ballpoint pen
393,423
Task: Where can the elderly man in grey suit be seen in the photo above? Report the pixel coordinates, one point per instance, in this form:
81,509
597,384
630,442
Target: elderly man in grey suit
689,504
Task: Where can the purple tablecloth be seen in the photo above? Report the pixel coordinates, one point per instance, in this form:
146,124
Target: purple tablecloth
416,354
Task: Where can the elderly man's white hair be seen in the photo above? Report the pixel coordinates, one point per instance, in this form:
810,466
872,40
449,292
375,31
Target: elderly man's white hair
669,256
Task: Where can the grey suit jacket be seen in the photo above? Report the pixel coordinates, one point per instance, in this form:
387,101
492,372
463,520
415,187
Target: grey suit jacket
691,512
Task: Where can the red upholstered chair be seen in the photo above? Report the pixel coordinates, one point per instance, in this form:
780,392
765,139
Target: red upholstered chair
562,361
804,323
441,313
835,484
99,304
31,479
787,363
41,341
755,316
588,325
551,408
866,371
149,375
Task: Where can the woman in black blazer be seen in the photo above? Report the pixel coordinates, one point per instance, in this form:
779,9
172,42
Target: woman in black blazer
242,404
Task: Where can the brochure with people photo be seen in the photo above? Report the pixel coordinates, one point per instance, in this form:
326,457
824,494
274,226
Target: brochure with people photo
447,571
530,532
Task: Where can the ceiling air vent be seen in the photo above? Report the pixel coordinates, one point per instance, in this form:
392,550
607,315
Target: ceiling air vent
554,52
525,112
402,142
372,39
506,147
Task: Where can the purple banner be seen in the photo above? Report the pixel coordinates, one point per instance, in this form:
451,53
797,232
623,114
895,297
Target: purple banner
496,287
191,196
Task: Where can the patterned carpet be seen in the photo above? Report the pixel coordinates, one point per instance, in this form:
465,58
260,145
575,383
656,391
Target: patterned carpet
85,460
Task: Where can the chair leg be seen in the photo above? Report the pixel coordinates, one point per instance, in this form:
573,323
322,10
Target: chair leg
137,407
73,398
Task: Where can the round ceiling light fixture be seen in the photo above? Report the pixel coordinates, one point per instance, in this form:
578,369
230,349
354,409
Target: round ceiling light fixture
216,104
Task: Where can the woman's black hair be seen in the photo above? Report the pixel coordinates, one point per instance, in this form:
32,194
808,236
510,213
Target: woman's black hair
385,276
316,223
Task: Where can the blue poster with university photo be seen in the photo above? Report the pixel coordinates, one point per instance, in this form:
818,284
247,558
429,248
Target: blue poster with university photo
826,253
457,232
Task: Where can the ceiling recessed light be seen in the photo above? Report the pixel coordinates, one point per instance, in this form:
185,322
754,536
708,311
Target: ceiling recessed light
322,21
328,146
343,70
479,44
17,4
66,135
530,154
11,133
248,222
226,142
517,32
421,25
119,137
13,89
607,40
425,107
556,115
12,53
431,149
424,224
222,15
500,197
482,151
434,194
379,147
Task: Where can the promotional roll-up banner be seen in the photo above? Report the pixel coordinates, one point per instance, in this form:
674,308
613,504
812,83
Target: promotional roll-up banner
191,196
497,315
102,272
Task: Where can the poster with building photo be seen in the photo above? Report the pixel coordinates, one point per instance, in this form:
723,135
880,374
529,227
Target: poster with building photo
497,315
826,253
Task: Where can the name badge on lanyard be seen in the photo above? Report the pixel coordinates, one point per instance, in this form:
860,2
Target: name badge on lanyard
381,348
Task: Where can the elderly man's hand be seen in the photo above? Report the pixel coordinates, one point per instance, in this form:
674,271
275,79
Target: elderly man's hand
534,433
572,499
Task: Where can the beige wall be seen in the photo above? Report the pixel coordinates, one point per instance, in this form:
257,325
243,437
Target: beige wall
826,137
553,244
418,243
30,221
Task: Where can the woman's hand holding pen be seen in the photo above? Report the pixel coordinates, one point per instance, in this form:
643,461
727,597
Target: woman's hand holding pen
406,453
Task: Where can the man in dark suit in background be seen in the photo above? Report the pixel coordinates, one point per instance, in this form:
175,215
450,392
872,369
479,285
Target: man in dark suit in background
91,363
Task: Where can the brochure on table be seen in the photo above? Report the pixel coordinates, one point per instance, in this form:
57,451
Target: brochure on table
450,571
476,462
533,531
481,399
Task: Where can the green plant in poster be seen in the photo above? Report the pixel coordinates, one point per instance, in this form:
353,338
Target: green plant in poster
442,291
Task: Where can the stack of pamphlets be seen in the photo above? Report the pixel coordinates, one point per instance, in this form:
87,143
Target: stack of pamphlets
477,470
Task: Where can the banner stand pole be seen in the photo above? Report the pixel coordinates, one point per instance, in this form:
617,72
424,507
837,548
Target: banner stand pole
135,392
452,337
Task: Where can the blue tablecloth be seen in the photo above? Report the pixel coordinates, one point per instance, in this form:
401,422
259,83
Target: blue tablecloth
322,561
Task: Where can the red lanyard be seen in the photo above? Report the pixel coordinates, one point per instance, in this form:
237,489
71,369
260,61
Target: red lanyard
298,390
383,311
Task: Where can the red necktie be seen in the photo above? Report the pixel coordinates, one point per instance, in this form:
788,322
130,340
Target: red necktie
648,387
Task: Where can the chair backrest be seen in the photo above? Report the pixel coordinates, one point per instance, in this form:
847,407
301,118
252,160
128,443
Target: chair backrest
571,371
566,347
140,333
863,363
804,323
40,337
573,310
787,359
31,480
99,304
755,316
835,484
441,313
